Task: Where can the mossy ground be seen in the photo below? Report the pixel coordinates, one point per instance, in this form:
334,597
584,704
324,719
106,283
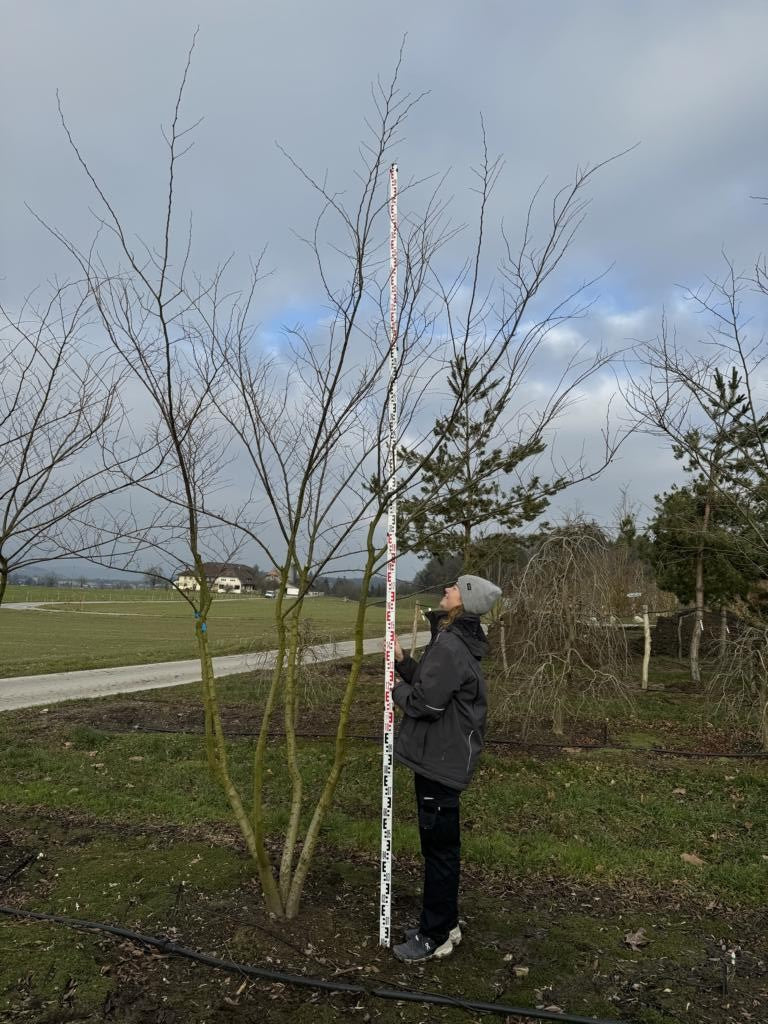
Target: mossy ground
564,854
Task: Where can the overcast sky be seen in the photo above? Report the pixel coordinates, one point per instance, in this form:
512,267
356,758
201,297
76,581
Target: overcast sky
558,84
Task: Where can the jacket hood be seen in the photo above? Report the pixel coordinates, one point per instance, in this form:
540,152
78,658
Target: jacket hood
466,627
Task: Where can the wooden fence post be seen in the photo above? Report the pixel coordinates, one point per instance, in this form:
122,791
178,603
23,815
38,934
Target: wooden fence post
646,646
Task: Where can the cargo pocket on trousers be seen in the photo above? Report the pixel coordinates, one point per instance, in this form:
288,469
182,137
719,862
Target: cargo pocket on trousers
429,808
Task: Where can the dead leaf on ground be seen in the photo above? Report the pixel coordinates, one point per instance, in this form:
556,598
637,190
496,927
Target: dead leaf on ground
692,858
680,791
636,940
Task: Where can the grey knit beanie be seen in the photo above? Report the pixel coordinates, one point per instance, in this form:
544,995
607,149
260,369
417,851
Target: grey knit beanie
477,595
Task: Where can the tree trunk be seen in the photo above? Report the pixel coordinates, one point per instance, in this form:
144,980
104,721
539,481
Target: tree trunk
466,565
503,644
290,693
415,630
723,632
266,877
698,622
646,645
340,753
680,637
255,847
558,716
3,578
698,629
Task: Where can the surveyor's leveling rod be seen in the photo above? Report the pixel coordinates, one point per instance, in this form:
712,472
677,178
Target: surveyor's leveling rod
388,765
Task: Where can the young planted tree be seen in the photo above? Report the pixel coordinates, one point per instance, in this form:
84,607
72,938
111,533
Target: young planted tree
314,429
59,408
705,414
463,485
310,427
168,330
731,334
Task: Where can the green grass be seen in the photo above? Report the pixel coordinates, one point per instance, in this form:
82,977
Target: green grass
586,816
74,595
141,629
594,837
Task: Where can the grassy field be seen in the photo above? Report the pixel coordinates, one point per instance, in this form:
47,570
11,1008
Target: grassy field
564,855
138,629
76,595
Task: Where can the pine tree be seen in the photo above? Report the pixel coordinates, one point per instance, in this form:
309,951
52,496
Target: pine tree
463,487
702,549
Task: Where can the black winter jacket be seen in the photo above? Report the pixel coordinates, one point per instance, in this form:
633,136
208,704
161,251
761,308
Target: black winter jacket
444,702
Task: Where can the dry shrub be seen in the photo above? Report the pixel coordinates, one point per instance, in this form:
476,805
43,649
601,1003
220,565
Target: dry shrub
317,687
562,644
739,683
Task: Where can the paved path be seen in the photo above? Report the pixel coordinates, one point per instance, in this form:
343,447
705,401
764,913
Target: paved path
33,691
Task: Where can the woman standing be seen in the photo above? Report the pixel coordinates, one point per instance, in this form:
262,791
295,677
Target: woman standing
443,699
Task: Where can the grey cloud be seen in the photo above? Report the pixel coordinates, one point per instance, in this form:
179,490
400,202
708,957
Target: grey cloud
558,85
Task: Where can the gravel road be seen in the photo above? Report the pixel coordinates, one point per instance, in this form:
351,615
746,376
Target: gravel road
35,691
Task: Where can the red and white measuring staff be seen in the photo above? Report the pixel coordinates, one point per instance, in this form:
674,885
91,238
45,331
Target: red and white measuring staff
388,760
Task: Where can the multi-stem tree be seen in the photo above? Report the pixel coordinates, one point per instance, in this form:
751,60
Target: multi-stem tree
314,425
310,425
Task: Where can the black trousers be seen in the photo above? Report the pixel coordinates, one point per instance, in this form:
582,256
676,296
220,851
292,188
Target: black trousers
438,807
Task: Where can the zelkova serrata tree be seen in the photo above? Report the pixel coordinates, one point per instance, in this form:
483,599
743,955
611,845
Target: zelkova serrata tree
313,467
309,423
167,331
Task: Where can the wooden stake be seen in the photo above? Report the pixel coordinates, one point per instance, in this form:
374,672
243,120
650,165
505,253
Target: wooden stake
647,645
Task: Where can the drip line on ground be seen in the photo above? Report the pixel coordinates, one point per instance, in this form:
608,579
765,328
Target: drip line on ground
302,980
501,741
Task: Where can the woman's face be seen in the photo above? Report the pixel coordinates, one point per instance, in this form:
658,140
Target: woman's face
451,598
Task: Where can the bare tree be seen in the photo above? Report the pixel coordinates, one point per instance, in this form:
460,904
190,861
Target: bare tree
310,425
168,332
59,410
314,425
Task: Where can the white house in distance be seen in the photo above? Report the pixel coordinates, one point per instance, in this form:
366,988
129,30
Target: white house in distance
222,577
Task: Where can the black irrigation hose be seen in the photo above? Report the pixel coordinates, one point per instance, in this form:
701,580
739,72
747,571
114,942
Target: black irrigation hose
29,859
500,742
303,980
707,753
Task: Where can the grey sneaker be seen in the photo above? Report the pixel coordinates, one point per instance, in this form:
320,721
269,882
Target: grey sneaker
420,947
454,935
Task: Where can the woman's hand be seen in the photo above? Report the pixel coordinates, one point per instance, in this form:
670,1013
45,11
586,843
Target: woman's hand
398,650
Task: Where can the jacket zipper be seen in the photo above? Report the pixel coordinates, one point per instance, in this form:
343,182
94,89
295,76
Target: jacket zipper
469,744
